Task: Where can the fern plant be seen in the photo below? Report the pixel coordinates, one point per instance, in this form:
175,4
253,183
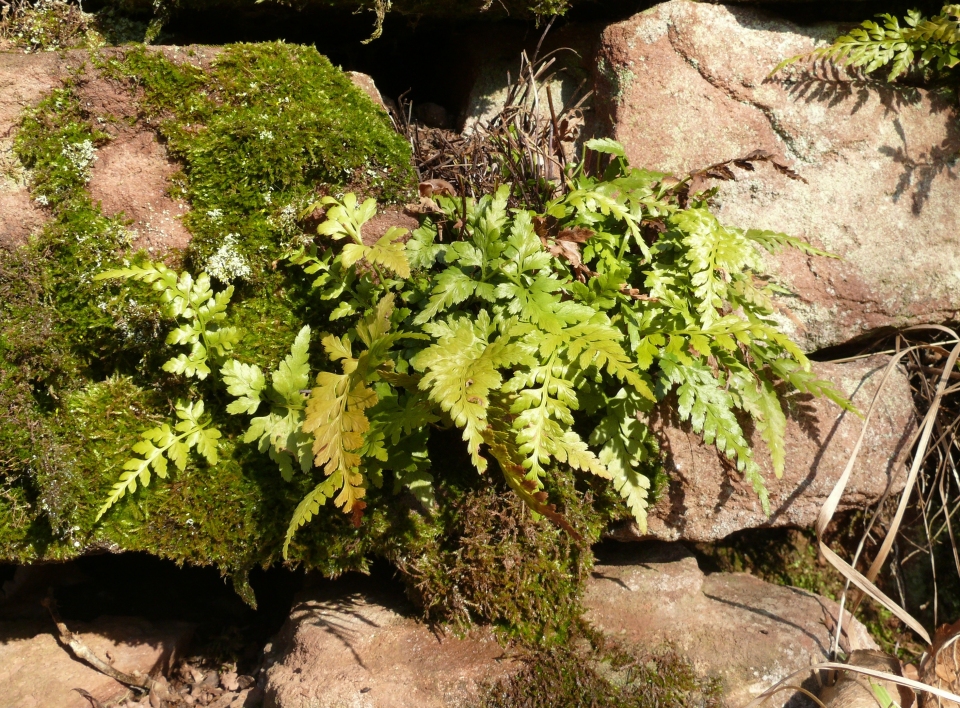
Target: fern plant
160,444
199,313
545,339
198,310
917,42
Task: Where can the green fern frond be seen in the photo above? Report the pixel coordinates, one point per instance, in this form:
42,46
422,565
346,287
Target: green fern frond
874,45
774,242
461,369
160,444
194,300
627,446
310,507
278,433
709,408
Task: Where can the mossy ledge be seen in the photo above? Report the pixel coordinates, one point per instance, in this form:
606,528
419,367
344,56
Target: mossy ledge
257,131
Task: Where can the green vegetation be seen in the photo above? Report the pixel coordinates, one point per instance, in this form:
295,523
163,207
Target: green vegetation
594,672
79,359
446,388
52,25
493,335
916,44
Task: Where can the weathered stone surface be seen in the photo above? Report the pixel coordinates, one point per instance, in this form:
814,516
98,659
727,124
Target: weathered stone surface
365,83
496,58
130,173
36,671
363,648
359,649
24,80
749,632
707,499
686,85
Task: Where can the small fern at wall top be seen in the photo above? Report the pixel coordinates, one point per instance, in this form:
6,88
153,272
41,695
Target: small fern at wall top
915,42
546,339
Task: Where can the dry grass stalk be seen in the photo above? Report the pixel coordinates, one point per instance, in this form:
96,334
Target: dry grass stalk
933,473
528,143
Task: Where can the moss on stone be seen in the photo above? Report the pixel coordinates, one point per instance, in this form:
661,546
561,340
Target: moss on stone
257,132
593,671
495,564
79,360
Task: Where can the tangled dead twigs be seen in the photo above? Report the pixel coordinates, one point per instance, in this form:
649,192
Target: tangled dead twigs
528,143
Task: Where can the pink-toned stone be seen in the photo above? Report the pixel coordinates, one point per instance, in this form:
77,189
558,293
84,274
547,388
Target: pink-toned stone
686,85
363,649
24,80
732,625
365,83
131,171
707,498
36,671
131,176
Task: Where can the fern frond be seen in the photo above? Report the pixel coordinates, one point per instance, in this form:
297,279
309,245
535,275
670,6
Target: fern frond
499,442
157,445
627,444
714,253
193,299
543,419
596,343
805,381
279,432
388,251
308,508
774,241
461,369
708,407
760,400
344,218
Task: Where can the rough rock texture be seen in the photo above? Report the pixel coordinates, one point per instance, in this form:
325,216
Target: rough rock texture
362,649
36,671
685,85
708,500
496,57
365,83
24,80
749,632
130,173
358,648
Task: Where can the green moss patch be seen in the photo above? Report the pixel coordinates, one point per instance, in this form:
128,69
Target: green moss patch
257,132
592,671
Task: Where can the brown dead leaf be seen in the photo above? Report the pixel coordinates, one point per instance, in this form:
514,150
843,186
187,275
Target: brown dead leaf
567,250
545,227
723,171
576,234
425,207
438,187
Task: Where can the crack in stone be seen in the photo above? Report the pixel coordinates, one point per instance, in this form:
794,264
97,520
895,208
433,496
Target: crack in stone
785,137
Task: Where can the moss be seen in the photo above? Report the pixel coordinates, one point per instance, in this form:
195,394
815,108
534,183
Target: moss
593,672
79,359
494,563
257,134
47,25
